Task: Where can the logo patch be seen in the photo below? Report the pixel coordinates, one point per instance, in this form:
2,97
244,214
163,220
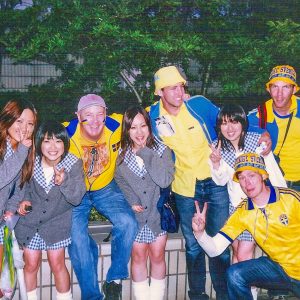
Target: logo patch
284,219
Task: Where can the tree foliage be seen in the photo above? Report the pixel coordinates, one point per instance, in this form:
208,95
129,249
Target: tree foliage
227,44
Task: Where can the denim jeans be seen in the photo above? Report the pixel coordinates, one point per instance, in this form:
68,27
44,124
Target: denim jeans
83,251
217,213
260,272
294,185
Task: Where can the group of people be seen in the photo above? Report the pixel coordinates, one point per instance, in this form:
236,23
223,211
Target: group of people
216,160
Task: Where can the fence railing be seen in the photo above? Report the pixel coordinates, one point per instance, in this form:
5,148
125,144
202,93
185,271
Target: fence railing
177,283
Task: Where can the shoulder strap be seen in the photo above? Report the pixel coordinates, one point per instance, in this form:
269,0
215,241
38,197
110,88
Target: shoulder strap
262,115
286,132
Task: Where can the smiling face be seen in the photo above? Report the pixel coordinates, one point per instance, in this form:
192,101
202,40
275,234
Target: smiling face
22,127
139,132
281,93
52,150
92,121
172,97
231,130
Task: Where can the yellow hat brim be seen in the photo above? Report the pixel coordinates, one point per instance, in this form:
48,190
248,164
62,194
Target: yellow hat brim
249,168
285,79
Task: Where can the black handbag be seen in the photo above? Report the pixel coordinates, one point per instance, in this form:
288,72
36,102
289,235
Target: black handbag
169,217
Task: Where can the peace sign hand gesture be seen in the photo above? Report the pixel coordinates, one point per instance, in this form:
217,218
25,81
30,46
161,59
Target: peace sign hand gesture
59,175
215,156
25,138
199,219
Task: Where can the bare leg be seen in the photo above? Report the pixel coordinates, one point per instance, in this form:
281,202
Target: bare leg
157,257
58,267
139,256
32,260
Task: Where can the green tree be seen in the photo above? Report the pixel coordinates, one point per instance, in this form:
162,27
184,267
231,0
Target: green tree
227,44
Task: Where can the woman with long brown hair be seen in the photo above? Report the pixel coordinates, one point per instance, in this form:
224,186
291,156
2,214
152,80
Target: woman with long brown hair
17,123
144,166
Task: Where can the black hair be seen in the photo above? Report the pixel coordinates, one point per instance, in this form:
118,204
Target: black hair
232,113
50,129
126,142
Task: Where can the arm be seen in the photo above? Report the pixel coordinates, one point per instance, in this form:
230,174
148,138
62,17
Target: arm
161,169
10,167
219,172
73,186
220,176
126,189
213,246
16,197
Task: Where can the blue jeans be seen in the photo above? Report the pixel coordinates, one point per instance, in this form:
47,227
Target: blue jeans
217,213
83,251
260,272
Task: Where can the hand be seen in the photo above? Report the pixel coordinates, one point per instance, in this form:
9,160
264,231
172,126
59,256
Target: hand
7,215
199,219
22,207
186,96
215,156
59,175
25,138
265,137
137,208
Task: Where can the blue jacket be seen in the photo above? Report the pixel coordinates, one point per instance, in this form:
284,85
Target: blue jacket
200,108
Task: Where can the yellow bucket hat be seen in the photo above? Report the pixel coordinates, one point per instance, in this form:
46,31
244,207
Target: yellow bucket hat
251,162
167,76
284,73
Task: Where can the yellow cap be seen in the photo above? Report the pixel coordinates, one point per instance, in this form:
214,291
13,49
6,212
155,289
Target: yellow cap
284,73
167,76
251,162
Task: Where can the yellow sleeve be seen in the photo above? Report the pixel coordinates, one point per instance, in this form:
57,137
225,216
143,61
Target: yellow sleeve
234,225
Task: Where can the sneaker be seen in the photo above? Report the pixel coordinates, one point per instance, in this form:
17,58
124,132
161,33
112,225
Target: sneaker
112,290
279,297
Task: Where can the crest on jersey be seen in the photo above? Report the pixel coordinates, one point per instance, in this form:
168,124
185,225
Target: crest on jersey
283,218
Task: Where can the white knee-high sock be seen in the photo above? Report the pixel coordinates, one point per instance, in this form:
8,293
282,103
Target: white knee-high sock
32,295
141,290
64,296
254,292
157,289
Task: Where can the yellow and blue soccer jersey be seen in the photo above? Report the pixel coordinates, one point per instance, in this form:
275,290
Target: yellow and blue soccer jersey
276,125
99,158
275,228
187,139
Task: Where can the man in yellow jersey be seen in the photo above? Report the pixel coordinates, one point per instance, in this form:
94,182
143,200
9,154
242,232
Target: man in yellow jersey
188,127
281,117
95,138
282,120
271,215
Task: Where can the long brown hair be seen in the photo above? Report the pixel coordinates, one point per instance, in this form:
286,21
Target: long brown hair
8,115
126,141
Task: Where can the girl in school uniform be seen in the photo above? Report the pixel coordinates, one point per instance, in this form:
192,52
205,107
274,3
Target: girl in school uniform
17,123
143,167
56,187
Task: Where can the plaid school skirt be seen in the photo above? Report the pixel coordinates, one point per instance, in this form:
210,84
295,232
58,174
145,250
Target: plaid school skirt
37,243
145,235
1,234
245,235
